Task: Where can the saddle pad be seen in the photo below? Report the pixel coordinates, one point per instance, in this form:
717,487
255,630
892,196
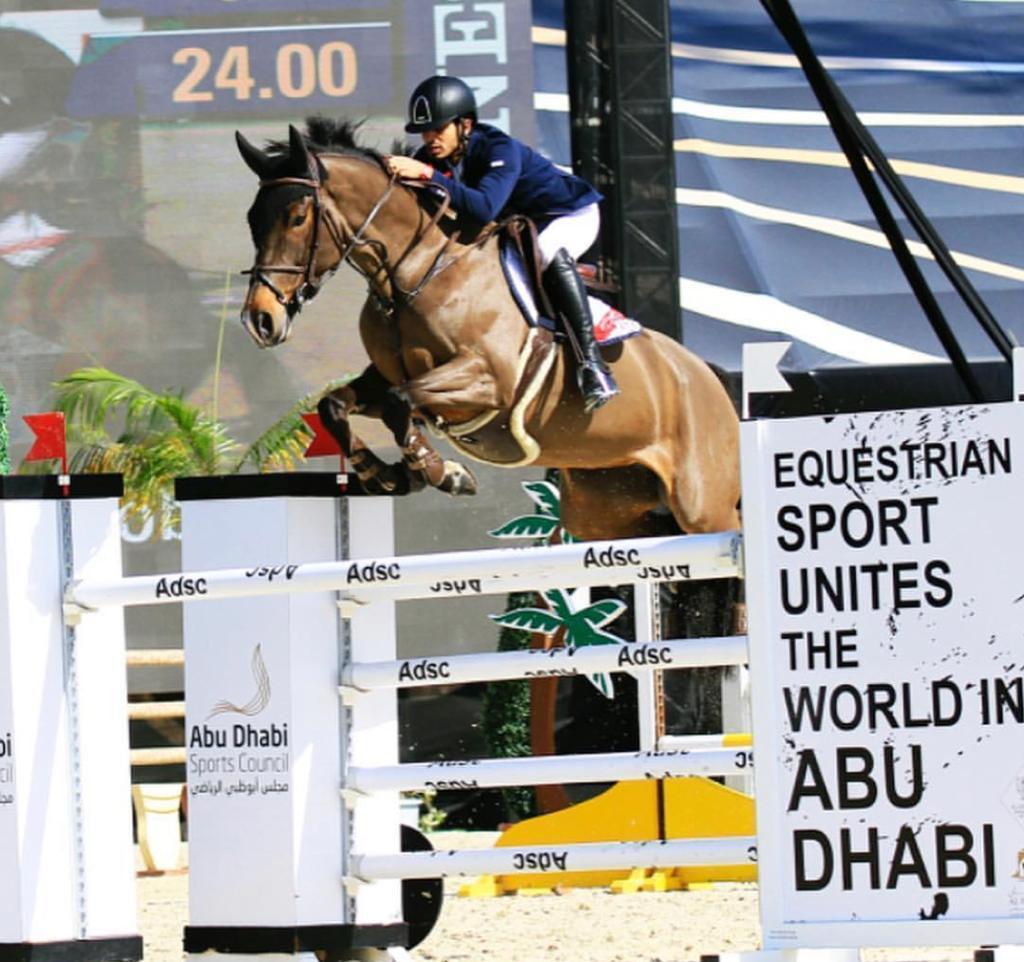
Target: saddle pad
610,325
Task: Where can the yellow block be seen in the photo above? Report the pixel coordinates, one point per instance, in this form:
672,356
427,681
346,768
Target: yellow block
626,812
629,812
737,740
634,882
663,880
484,887
701,808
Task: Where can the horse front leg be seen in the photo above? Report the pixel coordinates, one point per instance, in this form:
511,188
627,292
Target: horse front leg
422,462
361,396
371,396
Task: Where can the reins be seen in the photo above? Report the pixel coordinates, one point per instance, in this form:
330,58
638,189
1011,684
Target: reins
439,263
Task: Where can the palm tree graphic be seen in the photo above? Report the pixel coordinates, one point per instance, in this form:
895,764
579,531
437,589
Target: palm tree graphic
582,627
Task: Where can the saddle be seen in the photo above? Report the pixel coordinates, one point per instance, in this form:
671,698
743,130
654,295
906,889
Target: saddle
521,264
503,437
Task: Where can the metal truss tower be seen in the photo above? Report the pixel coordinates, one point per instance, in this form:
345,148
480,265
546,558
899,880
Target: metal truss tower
620,96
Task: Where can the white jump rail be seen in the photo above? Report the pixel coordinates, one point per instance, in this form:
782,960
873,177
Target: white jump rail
669,743
502,860
264,668
441,575
538,663
547,770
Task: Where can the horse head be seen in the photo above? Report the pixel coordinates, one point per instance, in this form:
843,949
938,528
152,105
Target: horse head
286,220
304,218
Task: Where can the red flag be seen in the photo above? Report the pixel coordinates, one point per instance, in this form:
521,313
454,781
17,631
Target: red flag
50,439
322,443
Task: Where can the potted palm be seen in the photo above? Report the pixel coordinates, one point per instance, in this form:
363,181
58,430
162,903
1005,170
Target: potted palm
118,425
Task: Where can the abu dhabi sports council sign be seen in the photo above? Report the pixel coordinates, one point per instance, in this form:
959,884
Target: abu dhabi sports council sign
234,750
885,587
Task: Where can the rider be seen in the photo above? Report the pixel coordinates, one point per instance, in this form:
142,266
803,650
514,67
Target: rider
489,174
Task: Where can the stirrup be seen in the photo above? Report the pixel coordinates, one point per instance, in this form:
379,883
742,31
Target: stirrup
596,385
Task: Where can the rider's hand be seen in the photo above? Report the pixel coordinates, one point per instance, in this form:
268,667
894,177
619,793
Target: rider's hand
408,167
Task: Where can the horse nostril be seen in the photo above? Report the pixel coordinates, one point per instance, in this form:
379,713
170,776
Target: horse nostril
264,324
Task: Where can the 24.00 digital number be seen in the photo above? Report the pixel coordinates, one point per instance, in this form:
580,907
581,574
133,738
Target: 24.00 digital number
301,70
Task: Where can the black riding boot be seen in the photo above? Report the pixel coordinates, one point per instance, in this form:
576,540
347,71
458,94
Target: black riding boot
569,298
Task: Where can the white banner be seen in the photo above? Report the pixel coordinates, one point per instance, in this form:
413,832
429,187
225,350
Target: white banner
886,595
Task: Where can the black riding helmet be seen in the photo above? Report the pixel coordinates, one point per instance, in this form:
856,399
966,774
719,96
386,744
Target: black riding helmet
438,101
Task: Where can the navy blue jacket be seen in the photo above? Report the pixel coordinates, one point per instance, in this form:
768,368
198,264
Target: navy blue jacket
500,176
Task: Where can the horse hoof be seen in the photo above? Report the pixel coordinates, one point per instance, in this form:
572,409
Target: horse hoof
458,480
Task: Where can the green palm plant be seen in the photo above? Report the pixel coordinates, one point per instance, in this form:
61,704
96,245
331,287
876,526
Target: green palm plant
115,424
5,410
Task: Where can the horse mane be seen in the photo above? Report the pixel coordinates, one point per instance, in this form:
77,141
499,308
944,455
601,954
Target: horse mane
324,135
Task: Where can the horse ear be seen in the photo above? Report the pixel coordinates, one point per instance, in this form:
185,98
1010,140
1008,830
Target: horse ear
254,158
298,148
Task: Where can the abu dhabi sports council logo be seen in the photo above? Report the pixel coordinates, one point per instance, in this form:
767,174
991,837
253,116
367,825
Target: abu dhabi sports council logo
1013,797
244,759
260,698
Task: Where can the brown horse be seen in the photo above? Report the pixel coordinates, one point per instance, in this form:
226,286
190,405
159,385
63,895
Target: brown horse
448,344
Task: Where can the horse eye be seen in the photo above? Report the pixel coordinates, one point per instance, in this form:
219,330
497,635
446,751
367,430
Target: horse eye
299,219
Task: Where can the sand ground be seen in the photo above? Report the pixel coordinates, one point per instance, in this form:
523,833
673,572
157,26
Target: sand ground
584,925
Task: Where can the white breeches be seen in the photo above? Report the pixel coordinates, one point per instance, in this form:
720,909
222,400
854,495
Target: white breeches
575,232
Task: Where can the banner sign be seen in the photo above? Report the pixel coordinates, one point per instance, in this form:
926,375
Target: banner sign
488,44
886,595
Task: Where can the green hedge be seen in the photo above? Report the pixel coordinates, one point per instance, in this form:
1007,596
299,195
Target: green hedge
5,410
506,713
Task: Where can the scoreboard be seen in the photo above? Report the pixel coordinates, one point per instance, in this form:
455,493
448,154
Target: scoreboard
216,8
236,71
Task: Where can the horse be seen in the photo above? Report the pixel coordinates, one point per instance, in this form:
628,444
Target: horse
449,348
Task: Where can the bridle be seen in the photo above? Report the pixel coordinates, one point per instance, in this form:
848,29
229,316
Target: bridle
311,283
